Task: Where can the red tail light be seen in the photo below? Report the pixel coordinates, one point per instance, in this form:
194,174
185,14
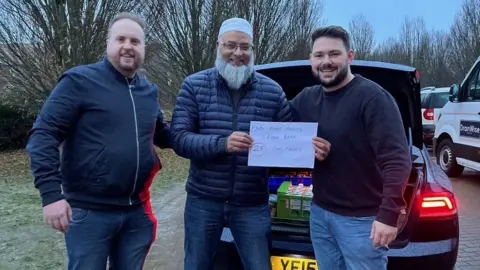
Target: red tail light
435,202
428,114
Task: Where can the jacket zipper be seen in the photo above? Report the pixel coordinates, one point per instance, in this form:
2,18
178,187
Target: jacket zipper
235,127
136,138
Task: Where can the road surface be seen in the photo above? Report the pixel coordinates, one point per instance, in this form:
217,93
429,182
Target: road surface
467,193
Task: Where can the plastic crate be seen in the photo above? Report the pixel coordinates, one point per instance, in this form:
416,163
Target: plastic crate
275,182
292,205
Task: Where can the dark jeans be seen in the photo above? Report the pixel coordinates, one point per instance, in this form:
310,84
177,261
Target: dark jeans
204,222
123,237
343,243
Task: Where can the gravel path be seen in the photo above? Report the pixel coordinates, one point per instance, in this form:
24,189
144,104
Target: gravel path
167,251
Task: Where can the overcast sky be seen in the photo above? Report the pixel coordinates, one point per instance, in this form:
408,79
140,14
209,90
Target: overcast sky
386,16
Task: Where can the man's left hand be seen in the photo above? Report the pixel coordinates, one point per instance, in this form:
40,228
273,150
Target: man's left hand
382,234
321,147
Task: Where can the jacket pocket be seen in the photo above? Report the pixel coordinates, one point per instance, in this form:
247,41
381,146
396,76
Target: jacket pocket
103,175
97,166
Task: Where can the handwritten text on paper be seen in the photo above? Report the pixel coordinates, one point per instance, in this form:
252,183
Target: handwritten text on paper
277,144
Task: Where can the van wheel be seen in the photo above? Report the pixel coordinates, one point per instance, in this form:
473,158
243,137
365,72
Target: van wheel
446,159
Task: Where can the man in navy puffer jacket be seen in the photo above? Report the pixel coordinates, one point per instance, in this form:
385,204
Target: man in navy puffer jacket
108,118
209,126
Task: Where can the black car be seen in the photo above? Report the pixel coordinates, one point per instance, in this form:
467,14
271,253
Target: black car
428,235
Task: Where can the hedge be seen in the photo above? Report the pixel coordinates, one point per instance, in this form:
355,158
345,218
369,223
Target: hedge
14,128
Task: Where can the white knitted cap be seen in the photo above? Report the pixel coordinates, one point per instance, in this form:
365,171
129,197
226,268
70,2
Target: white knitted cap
236,24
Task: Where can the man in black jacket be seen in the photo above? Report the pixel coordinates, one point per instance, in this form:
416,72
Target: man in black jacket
107,116
358,187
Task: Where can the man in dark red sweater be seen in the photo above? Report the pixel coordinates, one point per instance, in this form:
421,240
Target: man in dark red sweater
358,186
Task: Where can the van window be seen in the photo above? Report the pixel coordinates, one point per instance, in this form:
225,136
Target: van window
474,87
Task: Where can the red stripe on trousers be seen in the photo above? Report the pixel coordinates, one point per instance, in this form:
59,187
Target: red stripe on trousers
145,198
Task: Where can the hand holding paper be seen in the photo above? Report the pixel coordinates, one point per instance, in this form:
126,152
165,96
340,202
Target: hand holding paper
239,142
321,147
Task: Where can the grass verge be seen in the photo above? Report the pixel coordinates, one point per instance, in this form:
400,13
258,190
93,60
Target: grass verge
25,240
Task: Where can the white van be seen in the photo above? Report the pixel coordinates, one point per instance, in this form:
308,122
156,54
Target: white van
456,143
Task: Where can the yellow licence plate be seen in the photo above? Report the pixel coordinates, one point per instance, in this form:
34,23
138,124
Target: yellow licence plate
288,263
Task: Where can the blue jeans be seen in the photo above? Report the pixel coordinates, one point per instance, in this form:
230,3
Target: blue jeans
204,222
343,242
122,237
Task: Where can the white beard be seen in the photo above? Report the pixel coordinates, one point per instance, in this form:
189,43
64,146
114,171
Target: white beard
235,76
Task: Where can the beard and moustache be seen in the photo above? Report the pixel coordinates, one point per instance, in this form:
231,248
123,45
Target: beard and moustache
342,74
134,64
234,76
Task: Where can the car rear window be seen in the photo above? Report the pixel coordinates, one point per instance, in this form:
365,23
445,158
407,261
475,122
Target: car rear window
438,100
424,100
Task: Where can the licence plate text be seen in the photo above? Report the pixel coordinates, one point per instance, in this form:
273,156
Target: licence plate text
287,263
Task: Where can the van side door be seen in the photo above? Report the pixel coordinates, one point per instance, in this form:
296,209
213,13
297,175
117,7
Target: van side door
467,118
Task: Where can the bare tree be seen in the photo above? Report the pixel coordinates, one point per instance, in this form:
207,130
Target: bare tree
465,39
437,67
389,51
43,38
417,47
183,37
305,18
362,36
415,41
281,28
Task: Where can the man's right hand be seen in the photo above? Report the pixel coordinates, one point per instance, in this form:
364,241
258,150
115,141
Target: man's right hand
239,142
58,215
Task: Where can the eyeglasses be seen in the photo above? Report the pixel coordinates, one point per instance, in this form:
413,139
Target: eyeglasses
245,48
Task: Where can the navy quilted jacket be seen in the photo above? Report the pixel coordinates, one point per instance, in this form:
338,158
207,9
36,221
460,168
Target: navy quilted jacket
202,120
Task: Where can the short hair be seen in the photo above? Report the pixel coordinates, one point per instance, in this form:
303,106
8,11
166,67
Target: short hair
129,16
332,31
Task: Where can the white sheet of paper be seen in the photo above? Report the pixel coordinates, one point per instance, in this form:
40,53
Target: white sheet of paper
282,144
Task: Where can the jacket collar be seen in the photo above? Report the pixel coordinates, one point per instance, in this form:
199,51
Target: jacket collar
119,76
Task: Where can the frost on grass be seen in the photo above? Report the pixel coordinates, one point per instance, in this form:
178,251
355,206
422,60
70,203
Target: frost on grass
26,242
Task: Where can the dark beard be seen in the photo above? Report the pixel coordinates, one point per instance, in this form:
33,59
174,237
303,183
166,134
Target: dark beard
342,74
135,66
